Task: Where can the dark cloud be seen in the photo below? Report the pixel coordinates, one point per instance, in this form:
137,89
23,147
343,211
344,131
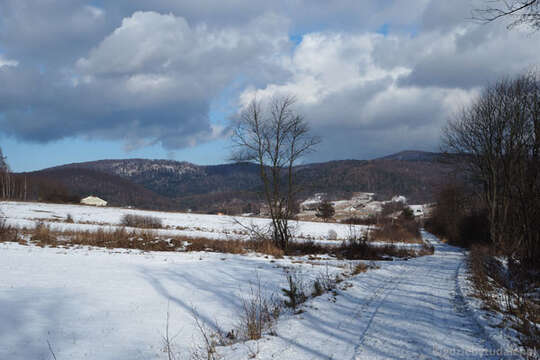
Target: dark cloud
151,80
146,72
50,33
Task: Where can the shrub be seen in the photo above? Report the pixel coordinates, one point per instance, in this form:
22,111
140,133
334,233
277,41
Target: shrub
325,210
326,281
42,235
259,313
295,292
370,220
510,290
7,233
398,230
332,234
317,288
458,219
407,213
141,221
360,268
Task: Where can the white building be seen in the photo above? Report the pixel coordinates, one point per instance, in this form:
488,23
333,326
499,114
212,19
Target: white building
94,201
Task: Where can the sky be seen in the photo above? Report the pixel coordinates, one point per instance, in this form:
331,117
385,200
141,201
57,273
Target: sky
165,79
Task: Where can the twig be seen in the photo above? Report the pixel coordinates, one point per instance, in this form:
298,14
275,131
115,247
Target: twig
51,350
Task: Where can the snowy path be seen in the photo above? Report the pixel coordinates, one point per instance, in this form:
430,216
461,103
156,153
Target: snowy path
405,310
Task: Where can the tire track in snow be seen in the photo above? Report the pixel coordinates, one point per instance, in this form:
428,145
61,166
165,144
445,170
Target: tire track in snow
437,323
359,311
397,280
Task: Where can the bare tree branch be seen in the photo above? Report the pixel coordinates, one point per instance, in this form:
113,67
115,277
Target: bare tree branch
275,137
522,12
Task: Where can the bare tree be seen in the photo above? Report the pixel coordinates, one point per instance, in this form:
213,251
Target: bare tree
525,12
499,136
274,136
3,162
6,184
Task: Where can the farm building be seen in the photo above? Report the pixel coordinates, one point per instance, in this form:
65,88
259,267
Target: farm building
94,201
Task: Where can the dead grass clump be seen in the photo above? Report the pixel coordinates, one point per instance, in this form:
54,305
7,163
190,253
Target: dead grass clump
265,246
478,259
223,246
357,248
234,246
427,249
512,290
121,238
259,314
42,235
398,230
8,233
360,268
141,221
306,248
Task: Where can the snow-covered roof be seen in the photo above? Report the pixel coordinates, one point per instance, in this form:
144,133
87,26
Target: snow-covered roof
93,200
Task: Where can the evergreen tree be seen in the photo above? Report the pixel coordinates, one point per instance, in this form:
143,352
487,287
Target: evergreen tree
325,210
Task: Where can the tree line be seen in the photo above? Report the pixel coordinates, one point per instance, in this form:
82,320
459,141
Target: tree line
28,187
497,142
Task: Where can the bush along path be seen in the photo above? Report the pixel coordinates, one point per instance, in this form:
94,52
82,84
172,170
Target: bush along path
403,310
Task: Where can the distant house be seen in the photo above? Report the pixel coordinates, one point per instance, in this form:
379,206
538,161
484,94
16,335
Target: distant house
94,201
418,210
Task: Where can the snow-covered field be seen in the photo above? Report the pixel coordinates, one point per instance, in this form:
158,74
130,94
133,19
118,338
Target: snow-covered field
25,214
99,304
91,303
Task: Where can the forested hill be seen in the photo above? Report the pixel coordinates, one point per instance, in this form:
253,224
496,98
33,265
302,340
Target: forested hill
181,185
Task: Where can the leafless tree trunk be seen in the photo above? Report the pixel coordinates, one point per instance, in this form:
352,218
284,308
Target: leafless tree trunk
5,178
275,137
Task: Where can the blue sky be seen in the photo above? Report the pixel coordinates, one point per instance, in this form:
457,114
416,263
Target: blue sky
86,80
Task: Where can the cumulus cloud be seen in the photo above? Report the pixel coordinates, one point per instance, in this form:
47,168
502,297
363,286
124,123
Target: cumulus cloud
369,94
149,81
371,77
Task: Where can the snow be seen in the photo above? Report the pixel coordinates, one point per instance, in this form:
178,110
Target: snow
418,210
91,303
399,198
98,304
25,214
504,338
404,310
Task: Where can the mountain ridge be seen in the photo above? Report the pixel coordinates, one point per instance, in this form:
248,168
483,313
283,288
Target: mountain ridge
182,185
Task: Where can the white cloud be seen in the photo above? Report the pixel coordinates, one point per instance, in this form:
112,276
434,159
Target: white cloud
7,62
156,67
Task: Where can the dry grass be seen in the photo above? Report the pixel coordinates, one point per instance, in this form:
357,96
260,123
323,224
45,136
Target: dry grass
259,314
397,231
149,240
360,268
8,233
42,235
141,221
511,291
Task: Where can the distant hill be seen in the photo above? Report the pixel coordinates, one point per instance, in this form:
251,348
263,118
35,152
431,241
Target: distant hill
412,155
166,184
82,182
